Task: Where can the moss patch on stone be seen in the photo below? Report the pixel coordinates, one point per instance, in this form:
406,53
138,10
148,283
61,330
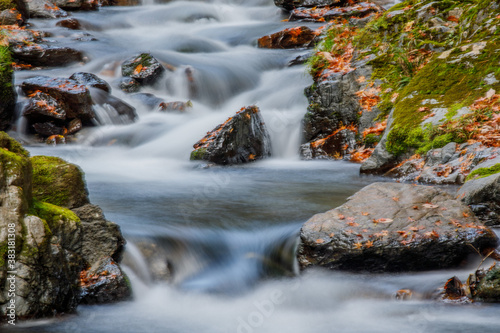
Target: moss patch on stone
52,214
8,143
58,182
484,172
198,154
7,4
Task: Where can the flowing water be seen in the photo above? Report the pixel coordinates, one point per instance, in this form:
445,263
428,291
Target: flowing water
229,234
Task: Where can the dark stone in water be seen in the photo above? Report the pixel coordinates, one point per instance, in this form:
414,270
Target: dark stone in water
48,129
129,85
91,80
45,55
143,68
292,4
104,283
242,138
43,106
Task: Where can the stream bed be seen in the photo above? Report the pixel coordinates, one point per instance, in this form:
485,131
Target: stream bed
232,231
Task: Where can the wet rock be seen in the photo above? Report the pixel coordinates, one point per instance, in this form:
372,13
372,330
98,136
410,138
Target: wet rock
129,85
298,37
58,182
77,4
483,194
74,126
143,68
331,103
42,106
292,4
91,80
381,160
44,9
46,55
10,17
76,96
333,146
71,23
104,282
48,129
101,238
240,139
361,9
394,227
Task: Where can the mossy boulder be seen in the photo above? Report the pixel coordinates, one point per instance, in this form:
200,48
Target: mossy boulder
58,182
53,244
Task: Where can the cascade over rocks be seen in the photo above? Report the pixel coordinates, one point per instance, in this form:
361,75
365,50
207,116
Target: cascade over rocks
54,245
391,227
242,138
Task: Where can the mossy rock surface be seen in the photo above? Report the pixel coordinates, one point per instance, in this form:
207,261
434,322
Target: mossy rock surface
489,287
58,182
8,95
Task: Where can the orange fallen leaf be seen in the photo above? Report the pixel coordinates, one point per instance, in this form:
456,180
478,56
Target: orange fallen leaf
341,217
358,245
365,213
383,220
319,241
368,244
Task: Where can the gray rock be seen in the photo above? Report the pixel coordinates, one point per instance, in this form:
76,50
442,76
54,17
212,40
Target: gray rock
480,190
44,9
143,68
101,238
381,160
394,227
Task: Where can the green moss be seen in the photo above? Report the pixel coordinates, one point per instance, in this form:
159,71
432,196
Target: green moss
371,139
7,4
58,182
6,74
3,253
12,145
489,287
198,154
52,214
484,172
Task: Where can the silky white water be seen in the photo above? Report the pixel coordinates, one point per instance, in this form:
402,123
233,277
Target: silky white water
230,232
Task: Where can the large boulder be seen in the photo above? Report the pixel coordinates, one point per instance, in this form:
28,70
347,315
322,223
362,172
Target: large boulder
394,227
240,139
54,247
